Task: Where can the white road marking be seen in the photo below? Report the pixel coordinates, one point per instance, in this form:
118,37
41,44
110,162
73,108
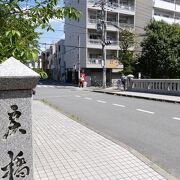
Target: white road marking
77,96
45,86
51,86
101,101
119,105
88,98
145,111
176,118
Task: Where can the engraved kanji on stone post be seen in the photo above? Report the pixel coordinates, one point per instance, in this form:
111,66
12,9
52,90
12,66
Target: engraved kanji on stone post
16,84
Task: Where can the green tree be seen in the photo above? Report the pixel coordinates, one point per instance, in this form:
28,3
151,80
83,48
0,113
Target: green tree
126,54
18,24
160,56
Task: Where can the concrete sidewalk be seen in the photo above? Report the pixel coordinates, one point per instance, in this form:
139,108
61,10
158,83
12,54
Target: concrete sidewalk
65,149
157,97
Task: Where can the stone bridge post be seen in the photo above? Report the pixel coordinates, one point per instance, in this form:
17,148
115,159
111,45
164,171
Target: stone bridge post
16,84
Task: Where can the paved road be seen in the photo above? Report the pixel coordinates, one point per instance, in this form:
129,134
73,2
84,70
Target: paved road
152,128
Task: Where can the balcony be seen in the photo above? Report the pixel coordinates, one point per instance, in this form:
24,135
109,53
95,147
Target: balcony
126,26
177,20
94,43
112,63
169,20
94,63
161,4
114,6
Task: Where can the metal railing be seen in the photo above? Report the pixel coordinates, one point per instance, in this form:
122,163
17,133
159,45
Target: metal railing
94,61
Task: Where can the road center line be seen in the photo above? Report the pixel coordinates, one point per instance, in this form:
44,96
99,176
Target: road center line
88,98
119,105
176,118
101,101
145,111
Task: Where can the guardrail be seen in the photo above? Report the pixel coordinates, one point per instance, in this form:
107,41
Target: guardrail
159,86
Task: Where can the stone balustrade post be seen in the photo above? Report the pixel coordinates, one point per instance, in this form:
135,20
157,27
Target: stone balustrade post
16,84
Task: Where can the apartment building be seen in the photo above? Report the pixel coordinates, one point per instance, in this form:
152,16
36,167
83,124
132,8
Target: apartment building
83,33
166,10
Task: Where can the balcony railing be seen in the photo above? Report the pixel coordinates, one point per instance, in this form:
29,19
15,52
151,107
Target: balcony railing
114,42
115,5
112,23
99,42
92,21
95,41
94,61
126,25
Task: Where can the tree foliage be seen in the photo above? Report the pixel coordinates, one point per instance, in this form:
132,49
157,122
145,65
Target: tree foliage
126,54
160,56
18,37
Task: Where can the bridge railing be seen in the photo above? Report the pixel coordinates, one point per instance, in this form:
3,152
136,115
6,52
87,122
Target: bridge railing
159,86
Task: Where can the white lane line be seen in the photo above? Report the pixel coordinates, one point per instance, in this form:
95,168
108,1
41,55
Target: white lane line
145,111
88,98
51,86
77,96
101,101
119,105
45,86
176,118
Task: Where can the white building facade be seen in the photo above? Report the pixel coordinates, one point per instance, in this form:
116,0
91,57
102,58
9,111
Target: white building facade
166,10
120,13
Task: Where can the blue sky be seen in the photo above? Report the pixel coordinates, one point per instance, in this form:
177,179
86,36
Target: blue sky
57,24
52,37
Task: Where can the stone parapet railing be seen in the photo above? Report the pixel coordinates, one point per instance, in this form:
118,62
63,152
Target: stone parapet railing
159,86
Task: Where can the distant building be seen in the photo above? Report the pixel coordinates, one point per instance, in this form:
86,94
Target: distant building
53,61
119,13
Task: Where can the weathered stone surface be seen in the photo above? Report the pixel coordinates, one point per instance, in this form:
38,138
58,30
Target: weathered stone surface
16,82
15,75
17,141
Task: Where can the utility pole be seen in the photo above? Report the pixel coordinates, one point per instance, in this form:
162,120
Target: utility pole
79,67
103,16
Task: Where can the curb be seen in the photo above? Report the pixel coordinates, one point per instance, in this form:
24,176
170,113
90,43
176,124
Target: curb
136,96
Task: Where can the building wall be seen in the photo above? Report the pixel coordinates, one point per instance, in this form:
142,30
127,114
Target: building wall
73,29
144,12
